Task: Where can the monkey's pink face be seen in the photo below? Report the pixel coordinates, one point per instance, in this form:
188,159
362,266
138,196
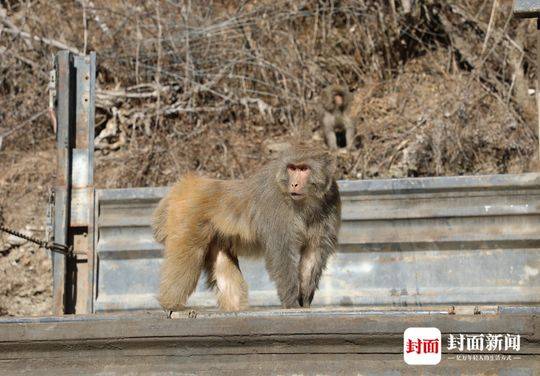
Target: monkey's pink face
298,180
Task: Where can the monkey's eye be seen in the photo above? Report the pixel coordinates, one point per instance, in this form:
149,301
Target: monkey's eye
302,168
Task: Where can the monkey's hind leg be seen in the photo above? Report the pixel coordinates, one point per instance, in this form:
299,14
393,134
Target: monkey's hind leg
223,273
180,273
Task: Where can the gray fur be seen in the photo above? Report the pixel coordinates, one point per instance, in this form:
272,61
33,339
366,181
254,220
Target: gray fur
286,228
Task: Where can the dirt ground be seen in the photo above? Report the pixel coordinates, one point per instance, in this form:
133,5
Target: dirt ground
444,88
25,270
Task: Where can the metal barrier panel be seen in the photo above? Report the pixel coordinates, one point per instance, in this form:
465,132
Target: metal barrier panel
526,8
448,240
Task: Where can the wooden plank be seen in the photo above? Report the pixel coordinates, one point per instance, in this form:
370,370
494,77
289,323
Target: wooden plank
309,341
292,324
267,364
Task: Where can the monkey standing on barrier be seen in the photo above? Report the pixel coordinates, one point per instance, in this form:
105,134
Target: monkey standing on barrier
337,126
289,213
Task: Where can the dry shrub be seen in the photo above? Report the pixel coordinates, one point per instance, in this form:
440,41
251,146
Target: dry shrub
202,85
436,123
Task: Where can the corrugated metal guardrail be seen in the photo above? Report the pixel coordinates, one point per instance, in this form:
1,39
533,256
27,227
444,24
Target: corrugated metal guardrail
455,240
526,8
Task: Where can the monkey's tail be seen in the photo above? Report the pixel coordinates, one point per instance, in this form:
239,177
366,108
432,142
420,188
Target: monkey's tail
159,220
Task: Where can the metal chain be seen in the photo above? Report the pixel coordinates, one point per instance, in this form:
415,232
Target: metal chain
53,247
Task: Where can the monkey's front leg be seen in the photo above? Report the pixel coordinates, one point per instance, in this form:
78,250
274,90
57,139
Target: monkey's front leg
282,264
312,263
331,139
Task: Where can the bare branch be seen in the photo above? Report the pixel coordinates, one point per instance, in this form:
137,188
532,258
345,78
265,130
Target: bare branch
12,29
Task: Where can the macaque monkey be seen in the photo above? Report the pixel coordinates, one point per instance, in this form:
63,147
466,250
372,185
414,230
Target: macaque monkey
289,213
335,122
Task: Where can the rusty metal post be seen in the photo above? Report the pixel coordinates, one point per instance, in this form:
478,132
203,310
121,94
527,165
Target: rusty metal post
74,193
64,121
82,206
